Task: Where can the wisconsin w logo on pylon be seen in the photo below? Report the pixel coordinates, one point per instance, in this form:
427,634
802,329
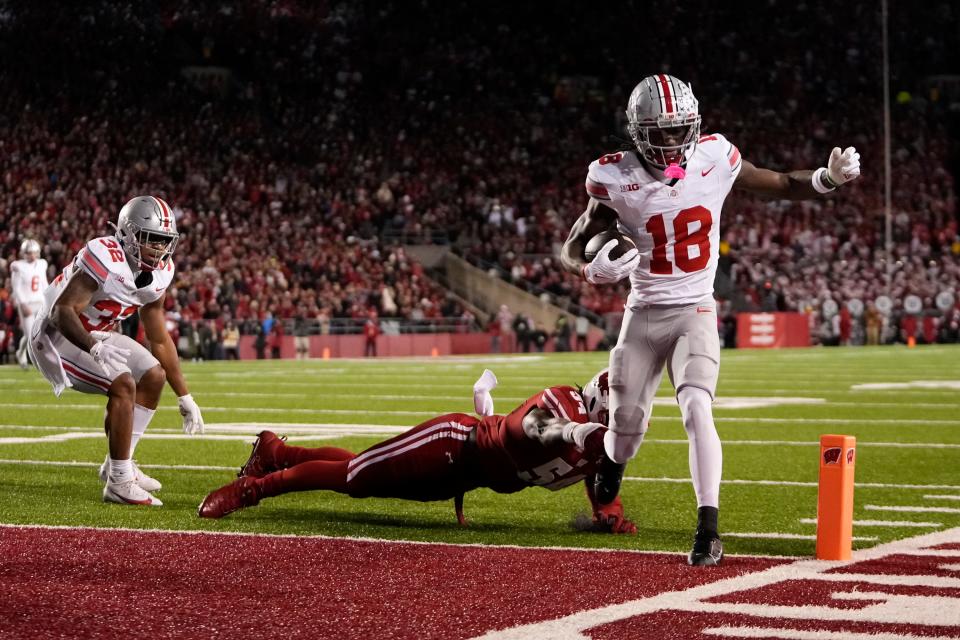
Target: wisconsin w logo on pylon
832,455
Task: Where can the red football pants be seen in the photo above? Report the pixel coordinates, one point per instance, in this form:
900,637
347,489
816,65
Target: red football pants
423,464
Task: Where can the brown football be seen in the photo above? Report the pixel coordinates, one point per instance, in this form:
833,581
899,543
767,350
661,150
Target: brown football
596,243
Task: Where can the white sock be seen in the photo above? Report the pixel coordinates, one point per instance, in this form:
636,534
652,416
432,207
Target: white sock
706,453
121,470
141,420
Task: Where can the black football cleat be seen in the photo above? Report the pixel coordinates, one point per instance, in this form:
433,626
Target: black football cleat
707,550
606,483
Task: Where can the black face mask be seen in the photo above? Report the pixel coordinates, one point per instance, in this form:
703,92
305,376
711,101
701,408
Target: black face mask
144,279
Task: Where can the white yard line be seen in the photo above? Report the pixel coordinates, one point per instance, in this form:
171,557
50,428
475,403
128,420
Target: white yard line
78,463
435,412
884,523
327,430
910,509
798,483
787,536
941,497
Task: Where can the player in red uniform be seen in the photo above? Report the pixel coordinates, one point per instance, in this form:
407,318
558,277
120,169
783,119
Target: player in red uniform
552,440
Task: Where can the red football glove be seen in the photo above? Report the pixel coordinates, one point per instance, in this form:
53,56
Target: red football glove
608,518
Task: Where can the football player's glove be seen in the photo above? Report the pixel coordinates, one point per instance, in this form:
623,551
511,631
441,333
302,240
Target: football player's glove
841,168
609,518
603,270
192,420
111,358
482,400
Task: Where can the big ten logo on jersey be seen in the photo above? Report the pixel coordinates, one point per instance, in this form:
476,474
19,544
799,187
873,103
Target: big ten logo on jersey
112,312
555,474
691,249
116,253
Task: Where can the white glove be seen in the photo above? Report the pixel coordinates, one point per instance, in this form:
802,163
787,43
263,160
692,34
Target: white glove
603,270
841,168
192,420
482,400
111,358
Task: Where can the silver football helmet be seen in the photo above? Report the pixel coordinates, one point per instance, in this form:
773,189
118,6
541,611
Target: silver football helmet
30,248
663,119
147,231
596,397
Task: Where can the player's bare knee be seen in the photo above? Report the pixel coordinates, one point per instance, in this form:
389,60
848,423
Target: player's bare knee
123,387
153,380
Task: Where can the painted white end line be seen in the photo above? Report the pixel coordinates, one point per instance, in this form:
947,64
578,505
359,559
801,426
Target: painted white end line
909,509
882,523
820,634
949,567
935,496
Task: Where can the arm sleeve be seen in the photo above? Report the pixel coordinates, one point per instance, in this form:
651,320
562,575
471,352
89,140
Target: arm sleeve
595,186
731,156
92,265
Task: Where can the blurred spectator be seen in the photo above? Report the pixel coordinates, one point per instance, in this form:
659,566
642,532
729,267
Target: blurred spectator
522,329
561,334
371,330
583,329
494,330
260,342
231,341
275,339
301,332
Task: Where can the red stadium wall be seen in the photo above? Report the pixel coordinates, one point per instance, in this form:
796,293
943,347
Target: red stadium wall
414,344
771,330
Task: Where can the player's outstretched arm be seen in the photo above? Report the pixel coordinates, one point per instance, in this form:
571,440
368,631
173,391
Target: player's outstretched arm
163,349
597,218
842,167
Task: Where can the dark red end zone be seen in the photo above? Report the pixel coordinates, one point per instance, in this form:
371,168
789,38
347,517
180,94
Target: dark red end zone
97,583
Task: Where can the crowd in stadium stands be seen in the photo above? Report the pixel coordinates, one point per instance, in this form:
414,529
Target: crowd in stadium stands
301,151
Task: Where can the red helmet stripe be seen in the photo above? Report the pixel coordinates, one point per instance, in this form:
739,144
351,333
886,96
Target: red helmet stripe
166,212
667,95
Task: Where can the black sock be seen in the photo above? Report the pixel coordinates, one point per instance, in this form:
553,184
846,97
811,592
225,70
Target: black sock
707,519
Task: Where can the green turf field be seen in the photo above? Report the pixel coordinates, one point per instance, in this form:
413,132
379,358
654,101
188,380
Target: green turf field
908,448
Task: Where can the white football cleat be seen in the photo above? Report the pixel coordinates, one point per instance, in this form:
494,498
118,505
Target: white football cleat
146,482
128,492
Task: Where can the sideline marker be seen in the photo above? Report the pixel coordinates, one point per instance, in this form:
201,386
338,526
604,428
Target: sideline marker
326,353
835,497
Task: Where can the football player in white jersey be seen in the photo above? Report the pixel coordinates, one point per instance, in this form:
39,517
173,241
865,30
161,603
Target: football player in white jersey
74,345
29,280
666,195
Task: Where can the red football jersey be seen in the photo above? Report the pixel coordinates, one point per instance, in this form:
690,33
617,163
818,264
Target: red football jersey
513,461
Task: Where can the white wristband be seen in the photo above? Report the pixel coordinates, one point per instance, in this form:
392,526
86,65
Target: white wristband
816,180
